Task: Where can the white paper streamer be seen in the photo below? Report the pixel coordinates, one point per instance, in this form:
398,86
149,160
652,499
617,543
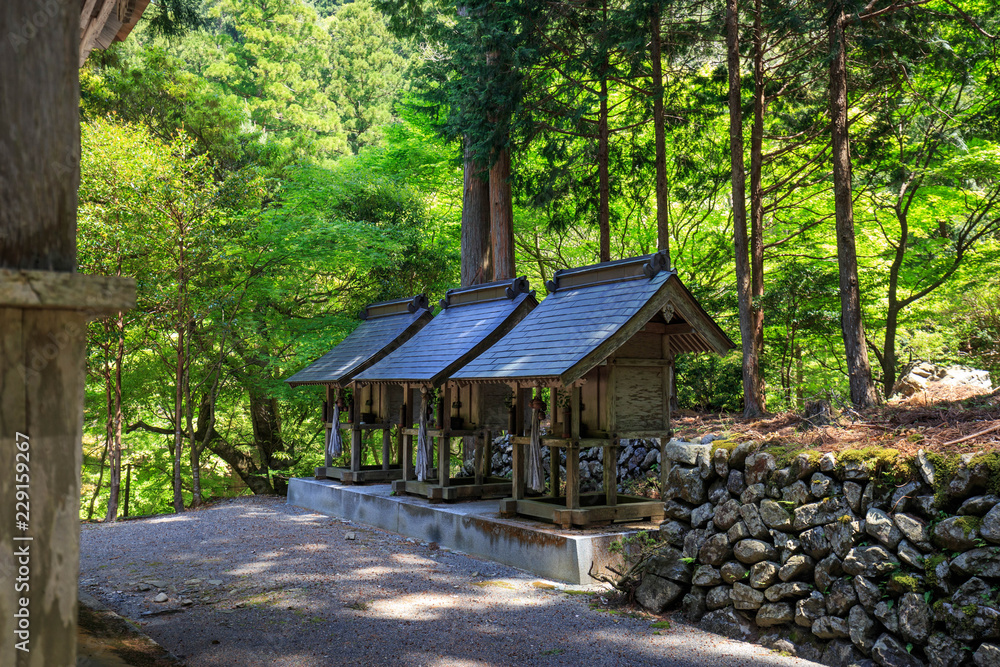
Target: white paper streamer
423,443
535,475
335,445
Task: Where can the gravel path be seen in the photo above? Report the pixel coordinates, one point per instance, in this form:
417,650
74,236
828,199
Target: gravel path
270,584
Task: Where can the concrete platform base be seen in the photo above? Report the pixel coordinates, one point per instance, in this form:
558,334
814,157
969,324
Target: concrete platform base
375,474
459,488
474,527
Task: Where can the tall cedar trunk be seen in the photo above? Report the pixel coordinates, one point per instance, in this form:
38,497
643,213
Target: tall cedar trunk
114,486
501,218
659,134
751,399
604,213
757,212
858,368
477,265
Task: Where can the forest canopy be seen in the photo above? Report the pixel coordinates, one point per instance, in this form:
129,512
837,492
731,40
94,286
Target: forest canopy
826,177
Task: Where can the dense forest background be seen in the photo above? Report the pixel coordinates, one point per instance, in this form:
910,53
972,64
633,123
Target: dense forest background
282,163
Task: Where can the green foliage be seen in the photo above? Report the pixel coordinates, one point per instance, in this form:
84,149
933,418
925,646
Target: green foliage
293,150
710,383
368,69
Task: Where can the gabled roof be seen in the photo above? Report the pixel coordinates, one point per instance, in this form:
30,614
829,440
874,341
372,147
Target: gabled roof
590,313
385,327
472,319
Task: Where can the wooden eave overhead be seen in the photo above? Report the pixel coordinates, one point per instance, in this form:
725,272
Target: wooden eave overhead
103,22
384,327
591,312
472,319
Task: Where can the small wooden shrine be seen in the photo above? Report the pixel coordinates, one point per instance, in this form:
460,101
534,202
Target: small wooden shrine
384,327
471,320
603,342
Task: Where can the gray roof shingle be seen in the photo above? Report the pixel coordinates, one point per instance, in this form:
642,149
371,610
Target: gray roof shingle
370,342
455,336
574,321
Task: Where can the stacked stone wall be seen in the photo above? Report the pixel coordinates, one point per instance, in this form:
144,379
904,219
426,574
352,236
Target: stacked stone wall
836,560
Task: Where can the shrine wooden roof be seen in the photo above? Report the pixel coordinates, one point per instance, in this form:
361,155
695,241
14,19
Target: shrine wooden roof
103,22
471,319
385,327
590,312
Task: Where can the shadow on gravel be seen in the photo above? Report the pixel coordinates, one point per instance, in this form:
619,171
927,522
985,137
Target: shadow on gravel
300,589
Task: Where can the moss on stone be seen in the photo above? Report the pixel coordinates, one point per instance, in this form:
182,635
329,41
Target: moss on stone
945,468
930,568
728,445
884,464
992,462
968,523
905,582
783,455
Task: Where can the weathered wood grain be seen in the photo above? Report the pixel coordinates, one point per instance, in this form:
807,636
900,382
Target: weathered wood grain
639,399
95,295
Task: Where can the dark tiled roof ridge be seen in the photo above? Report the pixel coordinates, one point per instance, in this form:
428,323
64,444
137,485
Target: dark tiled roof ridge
407,304
629,268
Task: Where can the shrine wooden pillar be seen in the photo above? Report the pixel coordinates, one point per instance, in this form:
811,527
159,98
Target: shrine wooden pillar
44,309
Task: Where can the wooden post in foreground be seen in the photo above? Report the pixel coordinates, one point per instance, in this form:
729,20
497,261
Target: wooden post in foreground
44,309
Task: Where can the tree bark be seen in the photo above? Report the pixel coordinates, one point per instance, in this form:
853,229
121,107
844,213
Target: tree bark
859,372
100,480
477,265
179,374
178,425
266,426
501,218
252,475
659,134
757,215
194,451
604,178
751,400
114,483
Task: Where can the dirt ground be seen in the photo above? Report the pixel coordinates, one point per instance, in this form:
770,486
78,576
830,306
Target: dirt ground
946,420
